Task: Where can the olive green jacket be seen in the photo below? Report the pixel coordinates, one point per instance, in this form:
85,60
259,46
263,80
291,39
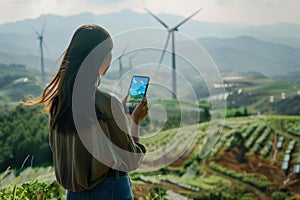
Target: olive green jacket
81,161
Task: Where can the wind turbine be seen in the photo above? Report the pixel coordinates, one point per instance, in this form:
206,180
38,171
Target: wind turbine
171,32
40,37
130,59
120,62
121,66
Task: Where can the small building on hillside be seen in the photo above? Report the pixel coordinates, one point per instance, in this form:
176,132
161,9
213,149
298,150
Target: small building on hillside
283,95
280,142
286,158
296,169
271,99
285,165
291,145
17,65
298,159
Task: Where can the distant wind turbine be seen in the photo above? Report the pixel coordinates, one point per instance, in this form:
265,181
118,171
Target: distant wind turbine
171,32
120,62
130,59
41,38
121,66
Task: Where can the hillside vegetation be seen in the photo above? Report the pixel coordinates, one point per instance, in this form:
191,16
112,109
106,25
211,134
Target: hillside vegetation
16,83
256,156
246,163
24,132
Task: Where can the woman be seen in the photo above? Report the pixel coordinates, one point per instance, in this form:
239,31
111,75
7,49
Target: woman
81,172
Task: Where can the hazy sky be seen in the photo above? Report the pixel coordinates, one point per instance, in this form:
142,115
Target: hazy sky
241,11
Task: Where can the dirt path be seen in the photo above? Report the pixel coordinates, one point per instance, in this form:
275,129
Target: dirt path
275,148
140,190
260,194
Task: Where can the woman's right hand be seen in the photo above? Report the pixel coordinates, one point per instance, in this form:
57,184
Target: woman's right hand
140,112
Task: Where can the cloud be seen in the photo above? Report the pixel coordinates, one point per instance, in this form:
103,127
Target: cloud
269,4
21,1
232,11
223,2
103,2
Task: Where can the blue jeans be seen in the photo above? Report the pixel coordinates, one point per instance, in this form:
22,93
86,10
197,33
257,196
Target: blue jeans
118,188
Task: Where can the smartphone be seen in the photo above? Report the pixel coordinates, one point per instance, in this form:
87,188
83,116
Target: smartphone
137,90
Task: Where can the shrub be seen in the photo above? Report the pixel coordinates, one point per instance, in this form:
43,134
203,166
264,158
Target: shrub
33,190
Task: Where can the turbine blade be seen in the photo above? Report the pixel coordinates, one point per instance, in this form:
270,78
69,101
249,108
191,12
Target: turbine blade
43,29
133,55
163,53
159,20
165,47
36,32
188,18
130,57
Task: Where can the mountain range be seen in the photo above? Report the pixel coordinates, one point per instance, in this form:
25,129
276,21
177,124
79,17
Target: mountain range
269,49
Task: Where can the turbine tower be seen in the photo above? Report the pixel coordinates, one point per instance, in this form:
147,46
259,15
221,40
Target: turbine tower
171,32
121,66
40,37
130,59
120,62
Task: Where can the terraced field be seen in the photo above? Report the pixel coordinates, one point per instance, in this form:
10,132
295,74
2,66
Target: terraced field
246,162
255,158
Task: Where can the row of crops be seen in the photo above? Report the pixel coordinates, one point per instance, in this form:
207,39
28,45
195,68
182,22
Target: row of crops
289,164
256,136
288,138
293,128
257,139
261,139
172,142
261,181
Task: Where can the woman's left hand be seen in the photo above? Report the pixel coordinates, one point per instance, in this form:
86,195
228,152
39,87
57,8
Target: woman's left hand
140,111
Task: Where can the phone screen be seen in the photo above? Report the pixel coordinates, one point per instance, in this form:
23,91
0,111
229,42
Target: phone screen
137,90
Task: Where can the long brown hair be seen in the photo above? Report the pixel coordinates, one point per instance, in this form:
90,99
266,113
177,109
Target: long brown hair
57,96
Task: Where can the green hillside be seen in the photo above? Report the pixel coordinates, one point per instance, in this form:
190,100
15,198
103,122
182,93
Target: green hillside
255,94
248,162
256,157
24,132
16,83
